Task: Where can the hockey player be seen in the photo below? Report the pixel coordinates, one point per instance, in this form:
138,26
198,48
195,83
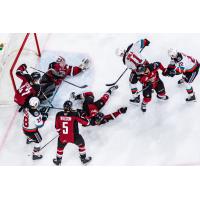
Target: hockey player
148,76
132,59
187,66
29,87
90,109
100,118
66,124
33,120
58,71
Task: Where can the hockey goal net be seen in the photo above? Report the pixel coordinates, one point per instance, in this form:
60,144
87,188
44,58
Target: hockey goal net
18,49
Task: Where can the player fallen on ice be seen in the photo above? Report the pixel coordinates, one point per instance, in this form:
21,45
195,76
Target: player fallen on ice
32,121
187,66
91,108
29,87
66,124
148,76
58,71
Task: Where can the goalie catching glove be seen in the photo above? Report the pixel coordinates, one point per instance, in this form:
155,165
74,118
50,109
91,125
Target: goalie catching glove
84,64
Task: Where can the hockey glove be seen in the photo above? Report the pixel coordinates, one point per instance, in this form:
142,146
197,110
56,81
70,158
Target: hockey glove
43,110
123,110
146,42
172,73
45,117
84,64
23,67
164,72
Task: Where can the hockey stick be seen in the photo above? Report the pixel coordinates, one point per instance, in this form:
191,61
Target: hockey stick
44,95
48,142
111,84
83,86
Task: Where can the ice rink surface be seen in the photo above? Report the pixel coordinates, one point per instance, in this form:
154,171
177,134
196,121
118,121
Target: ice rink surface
168,134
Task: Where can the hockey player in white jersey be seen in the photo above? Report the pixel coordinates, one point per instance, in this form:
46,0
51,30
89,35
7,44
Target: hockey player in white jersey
133,59
33,120
187,66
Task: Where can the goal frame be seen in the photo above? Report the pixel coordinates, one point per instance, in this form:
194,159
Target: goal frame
19,53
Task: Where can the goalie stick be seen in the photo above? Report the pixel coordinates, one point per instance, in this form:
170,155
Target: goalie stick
83,86
111,84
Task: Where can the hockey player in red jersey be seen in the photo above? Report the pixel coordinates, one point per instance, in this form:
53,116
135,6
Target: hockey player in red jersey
58,71
29,87
100,118
33,120
90,109
148,76
66,124
187,66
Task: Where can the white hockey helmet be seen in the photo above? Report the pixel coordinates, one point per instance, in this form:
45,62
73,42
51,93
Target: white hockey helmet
34,102
172,53
120,52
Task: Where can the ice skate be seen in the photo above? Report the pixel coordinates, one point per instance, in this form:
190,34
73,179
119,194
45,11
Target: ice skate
37,157
111,89
144,107
57,161
165,97
85,160
191,98
135,100
180,82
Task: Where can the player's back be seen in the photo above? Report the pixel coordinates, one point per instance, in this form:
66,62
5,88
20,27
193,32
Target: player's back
67,125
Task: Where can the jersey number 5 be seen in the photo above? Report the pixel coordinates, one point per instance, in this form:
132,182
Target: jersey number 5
65,127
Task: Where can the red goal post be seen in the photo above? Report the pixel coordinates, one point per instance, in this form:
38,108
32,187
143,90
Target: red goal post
19,53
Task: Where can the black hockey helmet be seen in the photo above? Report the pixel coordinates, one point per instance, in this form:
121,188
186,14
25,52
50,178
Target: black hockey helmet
99,117
67,105
141,69
35,76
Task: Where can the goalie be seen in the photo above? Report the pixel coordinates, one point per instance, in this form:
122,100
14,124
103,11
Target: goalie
58,71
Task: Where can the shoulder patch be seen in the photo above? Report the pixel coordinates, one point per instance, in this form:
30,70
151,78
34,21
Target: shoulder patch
36,113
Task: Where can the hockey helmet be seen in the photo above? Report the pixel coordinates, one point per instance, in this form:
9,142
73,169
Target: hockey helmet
35,76
99,117
34,102
120,52
60,59
140,69
172,53
67,105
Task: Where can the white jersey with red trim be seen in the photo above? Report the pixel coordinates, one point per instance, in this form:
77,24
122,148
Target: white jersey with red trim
32,119
133,57
186,64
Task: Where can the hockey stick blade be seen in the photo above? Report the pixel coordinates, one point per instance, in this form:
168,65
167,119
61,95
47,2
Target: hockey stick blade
111,84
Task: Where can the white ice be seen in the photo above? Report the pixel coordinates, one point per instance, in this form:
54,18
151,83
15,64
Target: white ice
168,134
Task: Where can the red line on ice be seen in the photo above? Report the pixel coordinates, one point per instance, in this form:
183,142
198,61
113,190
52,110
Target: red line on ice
8,130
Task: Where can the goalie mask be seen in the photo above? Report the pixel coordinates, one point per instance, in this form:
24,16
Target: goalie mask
61,61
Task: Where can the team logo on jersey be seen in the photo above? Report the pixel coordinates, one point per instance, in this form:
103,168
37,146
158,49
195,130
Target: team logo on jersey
36,113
